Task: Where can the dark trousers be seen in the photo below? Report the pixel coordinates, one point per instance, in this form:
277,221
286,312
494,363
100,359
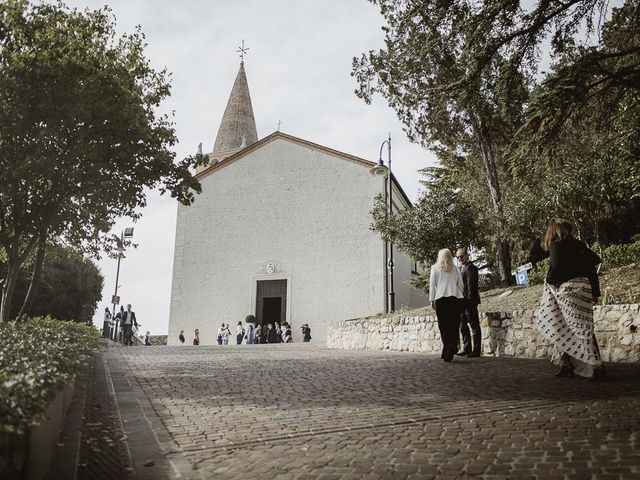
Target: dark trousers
239,339
126,333
469,318
448,314
105,329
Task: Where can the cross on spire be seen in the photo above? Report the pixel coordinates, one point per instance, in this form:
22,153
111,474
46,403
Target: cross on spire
279,123
242,51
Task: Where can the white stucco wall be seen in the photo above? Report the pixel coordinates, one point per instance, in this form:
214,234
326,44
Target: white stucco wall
406,295
303,209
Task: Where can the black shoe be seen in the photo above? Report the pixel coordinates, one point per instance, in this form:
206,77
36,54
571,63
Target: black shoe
463,353
473,354
599,374
565,371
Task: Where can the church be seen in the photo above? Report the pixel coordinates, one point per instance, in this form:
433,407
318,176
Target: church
281,231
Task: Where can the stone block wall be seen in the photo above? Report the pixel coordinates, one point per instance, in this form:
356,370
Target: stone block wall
509,334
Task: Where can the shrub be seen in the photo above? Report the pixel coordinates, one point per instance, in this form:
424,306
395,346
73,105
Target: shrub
249,319
539,273
37,358
620,255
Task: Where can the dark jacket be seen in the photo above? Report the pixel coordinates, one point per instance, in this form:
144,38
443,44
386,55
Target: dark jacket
134,322
306,334
470,283
271,336
570,259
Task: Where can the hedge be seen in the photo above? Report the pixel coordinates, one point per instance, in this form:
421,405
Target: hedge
38,357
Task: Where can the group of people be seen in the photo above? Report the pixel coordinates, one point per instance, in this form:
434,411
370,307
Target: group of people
565,317
455,296
271,333
120,327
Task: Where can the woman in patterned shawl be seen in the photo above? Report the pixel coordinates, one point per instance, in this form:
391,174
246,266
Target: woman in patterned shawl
565,318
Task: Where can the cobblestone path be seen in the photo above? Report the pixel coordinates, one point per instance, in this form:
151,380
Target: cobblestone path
297,411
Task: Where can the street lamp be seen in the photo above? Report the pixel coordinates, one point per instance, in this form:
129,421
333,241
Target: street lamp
125,234
380,169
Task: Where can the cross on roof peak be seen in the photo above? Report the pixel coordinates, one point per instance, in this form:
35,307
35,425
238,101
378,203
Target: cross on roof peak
242,50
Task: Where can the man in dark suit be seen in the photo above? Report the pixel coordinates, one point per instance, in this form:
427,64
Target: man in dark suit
469,316
128,321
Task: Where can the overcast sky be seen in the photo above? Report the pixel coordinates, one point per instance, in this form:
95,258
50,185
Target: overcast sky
298,67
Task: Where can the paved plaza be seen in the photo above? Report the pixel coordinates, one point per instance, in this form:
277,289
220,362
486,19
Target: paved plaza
298,411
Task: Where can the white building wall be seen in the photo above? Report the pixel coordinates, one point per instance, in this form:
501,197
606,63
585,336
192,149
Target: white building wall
406,295
303,209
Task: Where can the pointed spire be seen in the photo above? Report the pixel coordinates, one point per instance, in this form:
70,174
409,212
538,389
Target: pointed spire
238,127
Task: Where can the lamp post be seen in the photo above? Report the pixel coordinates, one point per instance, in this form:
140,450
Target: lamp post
125,234
380,169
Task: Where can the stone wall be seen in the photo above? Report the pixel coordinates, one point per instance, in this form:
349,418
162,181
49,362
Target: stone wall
504,334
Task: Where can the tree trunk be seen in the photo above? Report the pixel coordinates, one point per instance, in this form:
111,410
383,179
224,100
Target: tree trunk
15,259
36,277
488,158
9,287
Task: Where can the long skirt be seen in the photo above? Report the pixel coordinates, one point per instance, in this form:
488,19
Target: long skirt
565,320
448,313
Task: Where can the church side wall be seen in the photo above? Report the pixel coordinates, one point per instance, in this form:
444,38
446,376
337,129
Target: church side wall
406,295
302,209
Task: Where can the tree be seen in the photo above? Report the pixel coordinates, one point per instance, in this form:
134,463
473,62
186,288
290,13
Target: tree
441,218
579,146
429,74
71,286
80,140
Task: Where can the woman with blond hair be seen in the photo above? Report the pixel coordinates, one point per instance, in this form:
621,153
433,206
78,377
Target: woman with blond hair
445,294
565,317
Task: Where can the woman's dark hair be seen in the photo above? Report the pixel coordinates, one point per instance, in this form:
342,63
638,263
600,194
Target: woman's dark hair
558,229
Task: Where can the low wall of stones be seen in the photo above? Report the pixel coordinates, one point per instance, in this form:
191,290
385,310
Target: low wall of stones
504,334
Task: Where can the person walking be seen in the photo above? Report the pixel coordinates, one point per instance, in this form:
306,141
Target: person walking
117,325
128,322
226,333
220,334
286,337
469,316
271,335
565,317
196,337
306,333
445,295
181,338
250,334
257,336
106,326
239,333
278,333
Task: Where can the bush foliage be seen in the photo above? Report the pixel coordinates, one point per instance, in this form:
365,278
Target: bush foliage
38,357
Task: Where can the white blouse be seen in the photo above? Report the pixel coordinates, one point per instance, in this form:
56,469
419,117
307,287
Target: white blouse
444,284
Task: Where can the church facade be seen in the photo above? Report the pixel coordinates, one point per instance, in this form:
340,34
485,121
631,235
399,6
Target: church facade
280,231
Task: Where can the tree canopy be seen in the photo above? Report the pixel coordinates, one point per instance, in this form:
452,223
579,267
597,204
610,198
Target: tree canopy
81,140
70,289
521,143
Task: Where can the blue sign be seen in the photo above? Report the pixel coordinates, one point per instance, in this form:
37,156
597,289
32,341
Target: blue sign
522,278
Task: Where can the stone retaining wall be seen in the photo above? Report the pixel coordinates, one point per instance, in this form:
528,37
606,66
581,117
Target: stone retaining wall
504,334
